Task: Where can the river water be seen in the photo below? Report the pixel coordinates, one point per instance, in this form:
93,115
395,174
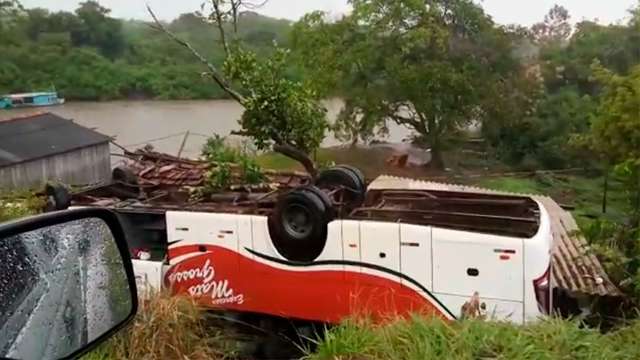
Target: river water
163,123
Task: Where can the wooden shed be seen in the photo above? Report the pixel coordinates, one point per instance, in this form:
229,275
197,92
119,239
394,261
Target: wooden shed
45,147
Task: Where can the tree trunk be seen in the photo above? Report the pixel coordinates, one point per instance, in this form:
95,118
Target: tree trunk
606,191
354,141
298,155
437,162
636,215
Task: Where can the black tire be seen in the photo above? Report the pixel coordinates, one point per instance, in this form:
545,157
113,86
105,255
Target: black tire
58,197
298,225
357,172
123,174
126,179
341,176
326,200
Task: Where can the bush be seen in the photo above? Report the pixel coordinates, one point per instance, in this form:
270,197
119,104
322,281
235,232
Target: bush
422,338
541,138
167,327
18,204
224,160
617,245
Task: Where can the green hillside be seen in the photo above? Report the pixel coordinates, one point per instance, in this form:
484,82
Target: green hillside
87,55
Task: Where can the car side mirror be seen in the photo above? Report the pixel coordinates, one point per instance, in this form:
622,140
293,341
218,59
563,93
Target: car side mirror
66,284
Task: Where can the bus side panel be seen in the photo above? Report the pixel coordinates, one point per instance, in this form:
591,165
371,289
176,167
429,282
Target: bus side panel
415,254
465,263
494,309
192,233
537,263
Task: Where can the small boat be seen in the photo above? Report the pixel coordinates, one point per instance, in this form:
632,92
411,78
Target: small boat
30,99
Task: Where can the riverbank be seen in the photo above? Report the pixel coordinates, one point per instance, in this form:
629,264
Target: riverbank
163,124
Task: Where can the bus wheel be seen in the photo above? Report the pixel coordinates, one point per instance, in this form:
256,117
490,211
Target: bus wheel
298,225
357,172
125,175
348,178
58,197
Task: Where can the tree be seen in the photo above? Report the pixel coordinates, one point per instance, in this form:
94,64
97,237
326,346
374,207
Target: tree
615,132
36,22
635,16
280,113
423,65
616,128
10,11
98,29
337,55
555,29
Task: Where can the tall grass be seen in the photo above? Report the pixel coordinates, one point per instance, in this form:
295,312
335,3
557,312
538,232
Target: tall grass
17,204
167,327
420,338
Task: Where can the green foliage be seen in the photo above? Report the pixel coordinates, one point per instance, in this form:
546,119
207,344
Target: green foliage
88,55
10,10
229,165
251,171
431,77
431,338
220,177
95,28
616,129
215,150
615,132
338,56
542,135
569,102
555,29
617,245
277,110
19,204
615,46
514,185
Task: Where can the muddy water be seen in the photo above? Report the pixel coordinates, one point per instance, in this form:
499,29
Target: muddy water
162,123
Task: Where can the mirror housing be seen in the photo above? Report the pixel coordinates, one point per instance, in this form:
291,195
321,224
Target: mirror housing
68,272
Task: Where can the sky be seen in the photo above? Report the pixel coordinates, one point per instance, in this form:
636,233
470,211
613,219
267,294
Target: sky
503,11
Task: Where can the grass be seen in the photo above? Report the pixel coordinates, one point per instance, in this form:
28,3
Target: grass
584,193
275,161
420,338
19,203
515,185
167,327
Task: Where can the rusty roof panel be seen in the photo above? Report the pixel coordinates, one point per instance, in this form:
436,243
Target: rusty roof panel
161,169
575,269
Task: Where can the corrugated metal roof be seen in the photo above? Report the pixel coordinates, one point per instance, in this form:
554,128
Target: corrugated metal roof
42,135
575,269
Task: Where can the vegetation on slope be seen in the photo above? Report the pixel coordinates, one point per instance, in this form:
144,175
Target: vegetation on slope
167,327
18,204
419,338
88,55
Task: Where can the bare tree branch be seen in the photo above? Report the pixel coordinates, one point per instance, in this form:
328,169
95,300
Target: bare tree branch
213,71
217,11
235,7
252,5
